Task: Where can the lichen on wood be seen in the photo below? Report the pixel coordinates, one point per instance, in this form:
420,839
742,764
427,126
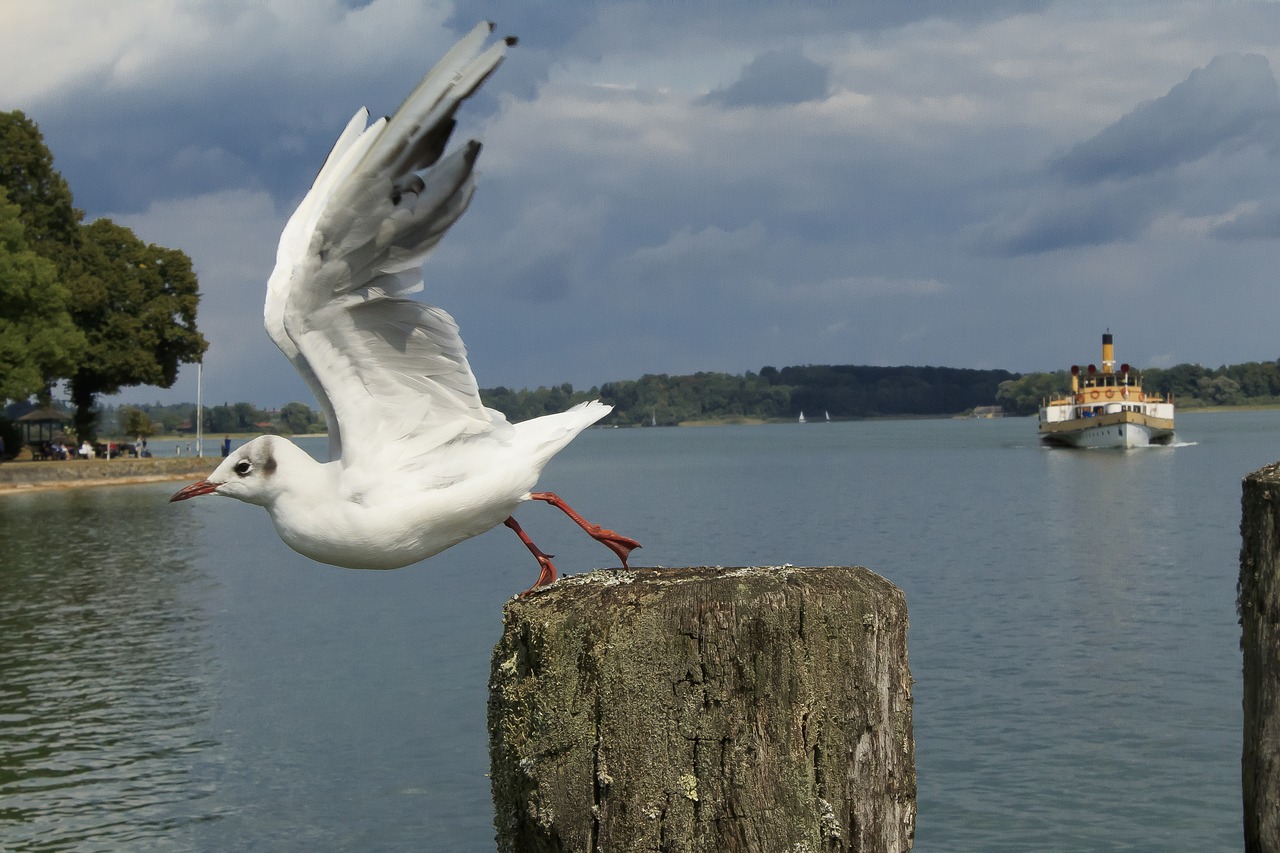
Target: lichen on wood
704,709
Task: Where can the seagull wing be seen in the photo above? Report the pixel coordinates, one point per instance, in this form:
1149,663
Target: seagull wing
390,373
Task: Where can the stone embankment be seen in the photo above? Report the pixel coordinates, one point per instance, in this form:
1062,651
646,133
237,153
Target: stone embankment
29,476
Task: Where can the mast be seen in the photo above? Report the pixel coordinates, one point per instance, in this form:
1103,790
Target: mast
200,408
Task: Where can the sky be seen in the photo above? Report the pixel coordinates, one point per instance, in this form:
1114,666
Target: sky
678,187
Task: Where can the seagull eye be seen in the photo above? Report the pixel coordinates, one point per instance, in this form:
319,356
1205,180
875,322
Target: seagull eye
243,467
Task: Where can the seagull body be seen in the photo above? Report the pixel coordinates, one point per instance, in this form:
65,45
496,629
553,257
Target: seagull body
419,463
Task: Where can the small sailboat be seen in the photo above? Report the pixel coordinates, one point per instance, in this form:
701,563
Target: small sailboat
802,417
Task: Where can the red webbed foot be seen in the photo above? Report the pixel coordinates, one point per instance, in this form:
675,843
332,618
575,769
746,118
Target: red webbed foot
548,568
615,542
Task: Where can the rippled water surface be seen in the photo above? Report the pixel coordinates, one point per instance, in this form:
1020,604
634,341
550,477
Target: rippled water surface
174,678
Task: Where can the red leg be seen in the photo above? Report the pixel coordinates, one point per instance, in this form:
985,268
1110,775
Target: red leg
548,574
615,542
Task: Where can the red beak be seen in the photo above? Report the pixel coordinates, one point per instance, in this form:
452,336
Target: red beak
204,487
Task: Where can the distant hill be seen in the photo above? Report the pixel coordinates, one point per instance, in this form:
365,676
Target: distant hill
843,391
860,391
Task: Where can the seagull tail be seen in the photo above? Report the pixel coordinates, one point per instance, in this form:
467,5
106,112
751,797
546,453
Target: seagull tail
546,436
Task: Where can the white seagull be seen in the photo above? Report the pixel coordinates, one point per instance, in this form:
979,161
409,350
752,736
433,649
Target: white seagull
419,464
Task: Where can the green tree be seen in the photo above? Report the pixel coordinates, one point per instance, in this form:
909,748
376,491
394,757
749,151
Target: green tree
50,221
136,303
1219,391
247,416
1256,379
26,172
296,417
1181,380
38,340
219,419
137,422
1022,396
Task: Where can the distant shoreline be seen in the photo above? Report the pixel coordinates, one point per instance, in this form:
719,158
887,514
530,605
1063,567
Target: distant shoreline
30,476
1260,407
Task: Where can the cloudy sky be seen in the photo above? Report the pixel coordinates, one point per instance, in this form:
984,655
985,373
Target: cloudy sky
671,187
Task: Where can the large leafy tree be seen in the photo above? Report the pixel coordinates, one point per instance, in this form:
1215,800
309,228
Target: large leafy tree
296,417
26,173
136,303
38,340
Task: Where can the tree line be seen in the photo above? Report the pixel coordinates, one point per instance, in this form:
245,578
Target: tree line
90,304
1254,383
178,418
842,391
862,391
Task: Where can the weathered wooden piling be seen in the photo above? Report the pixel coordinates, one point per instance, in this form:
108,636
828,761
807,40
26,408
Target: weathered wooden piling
704,709
1259,605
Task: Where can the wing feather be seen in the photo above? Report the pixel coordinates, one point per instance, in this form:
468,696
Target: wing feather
391,374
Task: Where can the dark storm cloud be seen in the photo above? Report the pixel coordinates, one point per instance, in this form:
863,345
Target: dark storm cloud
774,78
215,124
1231,102
631,216
1114,185
1067,220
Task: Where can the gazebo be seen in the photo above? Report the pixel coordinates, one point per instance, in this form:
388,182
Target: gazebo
42,425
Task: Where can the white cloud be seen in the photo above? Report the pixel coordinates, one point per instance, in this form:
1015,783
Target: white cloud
231,238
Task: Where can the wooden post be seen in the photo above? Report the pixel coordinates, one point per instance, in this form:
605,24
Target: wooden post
704,709
1259,606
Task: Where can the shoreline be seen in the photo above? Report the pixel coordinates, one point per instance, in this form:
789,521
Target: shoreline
1249,407
31,476
26,476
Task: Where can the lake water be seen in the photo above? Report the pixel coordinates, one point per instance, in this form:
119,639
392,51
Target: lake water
172,677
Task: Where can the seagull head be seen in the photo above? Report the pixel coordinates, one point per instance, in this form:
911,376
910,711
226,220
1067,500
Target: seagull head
255,473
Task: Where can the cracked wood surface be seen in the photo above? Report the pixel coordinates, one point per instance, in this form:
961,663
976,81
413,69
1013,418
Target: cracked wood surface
1259,605
704,709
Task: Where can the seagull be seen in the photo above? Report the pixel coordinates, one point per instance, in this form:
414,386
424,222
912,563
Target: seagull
419,464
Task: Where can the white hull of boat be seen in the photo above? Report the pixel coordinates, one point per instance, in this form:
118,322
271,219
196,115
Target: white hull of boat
1123,430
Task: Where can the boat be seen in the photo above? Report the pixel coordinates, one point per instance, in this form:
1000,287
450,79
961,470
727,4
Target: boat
801,417
1107,407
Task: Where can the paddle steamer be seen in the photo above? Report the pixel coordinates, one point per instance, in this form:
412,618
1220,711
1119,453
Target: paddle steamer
1107,407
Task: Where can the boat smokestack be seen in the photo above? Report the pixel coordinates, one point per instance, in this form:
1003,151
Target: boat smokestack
1108,354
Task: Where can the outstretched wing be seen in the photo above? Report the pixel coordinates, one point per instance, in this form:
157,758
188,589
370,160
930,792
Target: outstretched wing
385,369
